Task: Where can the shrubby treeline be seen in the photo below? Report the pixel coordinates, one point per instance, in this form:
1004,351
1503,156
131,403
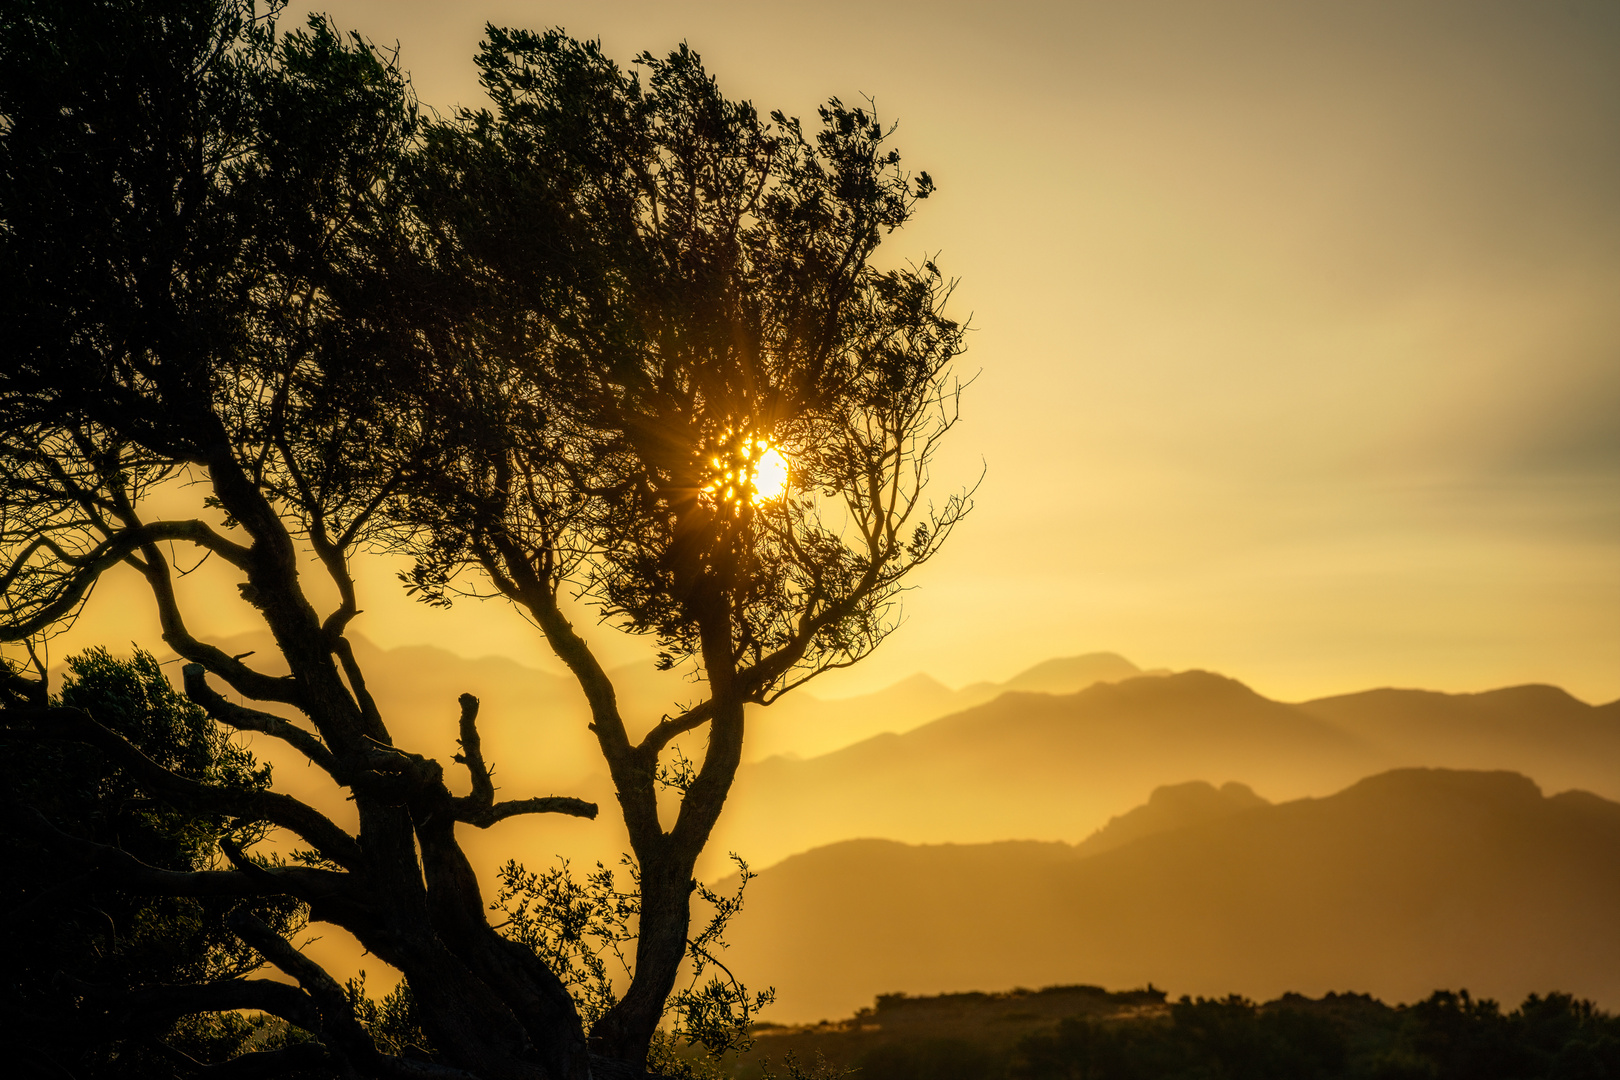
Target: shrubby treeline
1447,1036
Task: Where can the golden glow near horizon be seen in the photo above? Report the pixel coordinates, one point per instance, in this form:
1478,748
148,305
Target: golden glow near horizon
752,469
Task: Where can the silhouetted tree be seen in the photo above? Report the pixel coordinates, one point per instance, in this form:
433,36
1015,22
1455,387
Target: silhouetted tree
184,197
548,344
668,287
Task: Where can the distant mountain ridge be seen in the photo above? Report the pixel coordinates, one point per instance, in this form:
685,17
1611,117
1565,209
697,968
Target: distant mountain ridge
807,726
1173,806
1400,883
1539,725
417,686
1023,762
1056,767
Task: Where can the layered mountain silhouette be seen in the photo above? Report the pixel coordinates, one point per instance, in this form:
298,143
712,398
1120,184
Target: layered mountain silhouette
804,725
1057,766
1404,882
1057,754
1051,754
417,687
534,729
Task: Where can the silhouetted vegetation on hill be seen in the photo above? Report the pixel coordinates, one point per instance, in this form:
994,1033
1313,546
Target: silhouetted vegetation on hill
1087,1033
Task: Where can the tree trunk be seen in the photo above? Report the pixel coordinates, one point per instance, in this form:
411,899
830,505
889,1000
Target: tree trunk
626,1031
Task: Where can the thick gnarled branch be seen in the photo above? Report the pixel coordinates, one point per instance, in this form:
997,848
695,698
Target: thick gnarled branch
333,1018
472,751
336,1024
115,866
143,1005
245,719
243,679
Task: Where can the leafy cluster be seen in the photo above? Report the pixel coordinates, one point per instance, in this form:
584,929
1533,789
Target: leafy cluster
581,928
74,943
667,273
393,1021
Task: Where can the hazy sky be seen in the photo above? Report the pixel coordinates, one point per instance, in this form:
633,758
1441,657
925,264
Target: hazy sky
1297,324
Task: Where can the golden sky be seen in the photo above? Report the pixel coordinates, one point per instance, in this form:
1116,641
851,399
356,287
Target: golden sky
1298,325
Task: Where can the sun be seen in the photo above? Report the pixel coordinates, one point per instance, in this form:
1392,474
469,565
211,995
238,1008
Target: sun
769,474
747,469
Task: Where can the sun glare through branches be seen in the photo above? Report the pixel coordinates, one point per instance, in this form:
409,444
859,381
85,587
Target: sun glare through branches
746,469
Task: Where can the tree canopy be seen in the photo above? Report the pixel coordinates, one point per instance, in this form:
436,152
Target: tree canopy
545,346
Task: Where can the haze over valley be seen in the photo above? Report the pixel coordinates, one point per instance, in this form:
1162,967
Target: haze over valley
1086,821
1051,754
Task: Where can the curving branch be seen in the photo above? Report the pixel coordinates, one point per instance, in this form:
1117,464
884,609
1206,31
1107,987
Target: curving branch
317,1005
115,866
344,651
238,716
199,533
245,680
85,570
333,1017
336,1025
752,682
484,817
669,727
129,1008
518,579
278,809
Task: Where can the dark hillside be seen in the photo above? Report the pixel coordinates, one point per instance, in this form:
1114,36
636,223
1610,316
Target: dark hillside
1173,806
1401,883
